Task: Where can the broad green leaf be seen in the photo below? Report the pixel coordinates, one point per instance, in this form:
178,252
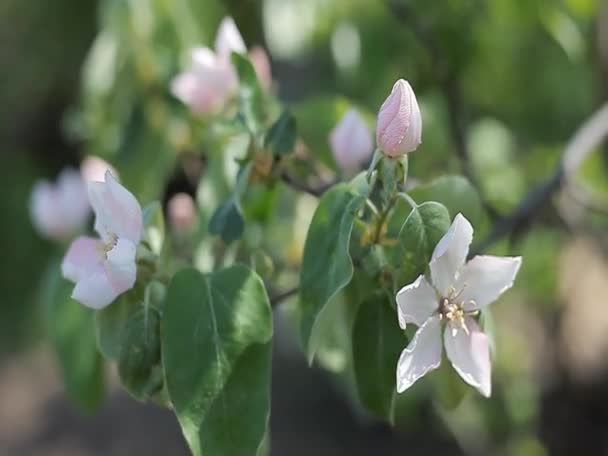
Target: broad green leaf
227,221
327,266
109,325
71,331
216,351
456,193
139,363
154,226
377,342
281,136
422,230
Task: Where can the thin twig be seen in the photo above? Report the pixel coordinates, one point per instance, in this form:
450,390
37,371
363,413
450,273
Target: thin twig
584,141
303,187
280,297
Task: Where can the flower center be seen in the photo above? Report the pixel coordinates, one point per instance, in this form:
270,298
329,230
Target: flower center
105,247
451,308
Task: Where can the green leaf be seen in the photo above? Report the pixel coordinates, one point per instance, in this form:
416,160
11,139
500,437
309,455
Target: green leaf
71,331
456,193
422,230
154,226
250,94
216,351
227,221
281,136
327,266
139,361
109,325
377,342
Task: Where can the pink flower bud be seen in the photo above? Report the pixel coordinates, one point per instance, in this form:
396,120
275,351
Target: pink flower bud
105,268
351,141
399,129
61,209
94,168
181,211
261,63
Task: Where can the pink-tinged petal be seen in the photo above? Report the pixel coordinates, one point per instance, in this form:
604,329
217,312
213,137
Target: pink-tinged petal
261,63
470,355
228,39
450,254
484,278
95,290
45,212
120,267
399,125
203,96
351,141
422,355
72,198
203,59
116,209
94,168
82,258
416,302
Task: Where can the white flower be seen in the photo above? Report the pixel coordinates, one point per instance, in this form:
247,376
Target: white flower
455,295
59,210
105,268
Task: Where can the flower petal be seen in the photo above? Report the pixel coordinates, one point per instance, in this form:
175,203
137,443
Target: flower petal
470,355
422,355
450,253
95,290
228,39
351,141
120,266
82,258
116,209
484,278
416,302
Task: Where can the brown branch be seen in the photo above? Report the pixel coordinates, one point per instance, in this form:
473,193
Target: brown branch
276,299
584,141
304,187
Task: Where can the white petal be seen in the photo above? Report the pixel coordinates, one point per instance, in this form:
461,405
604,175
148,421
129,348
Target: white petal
120,266
422,355
450,254
82,258
95,290
470,355
484,278
116,209
229,39
203,60
416,302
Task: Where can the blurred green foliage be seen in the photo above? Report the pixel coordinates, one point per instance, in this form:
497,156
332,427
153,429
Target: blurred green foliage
526,73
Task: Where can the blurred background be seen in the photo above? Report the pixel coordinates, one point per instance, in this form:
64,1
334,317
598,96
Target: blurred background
502,84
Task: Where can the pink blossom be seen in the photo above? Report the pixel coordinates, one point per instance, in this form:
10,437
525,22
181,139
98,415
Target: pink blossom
454,296
399,129
181,211
210,81
261,64
60,210
105,268
351,141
